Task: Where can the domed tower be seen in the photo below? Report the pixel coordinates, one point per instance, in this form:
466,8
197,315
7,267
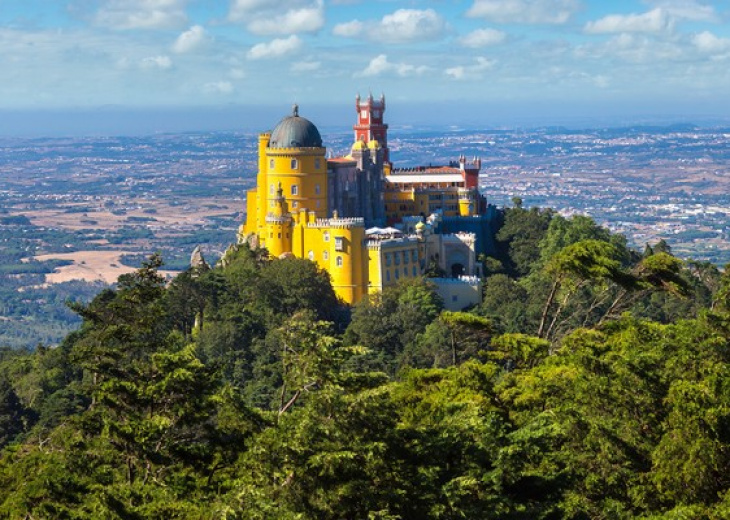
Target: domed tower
295,160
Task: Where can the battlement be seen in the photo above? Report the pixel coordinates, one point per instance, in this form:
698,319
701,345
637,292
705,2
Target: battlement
386,243
472,281
337,222
272,219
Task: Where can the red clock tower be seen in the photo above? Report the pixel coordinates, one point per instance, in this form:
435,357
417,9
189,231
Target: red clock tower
370,125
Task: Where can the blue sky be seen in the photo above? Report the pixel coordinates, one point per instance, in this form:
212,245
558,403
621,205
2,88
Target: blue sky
570,57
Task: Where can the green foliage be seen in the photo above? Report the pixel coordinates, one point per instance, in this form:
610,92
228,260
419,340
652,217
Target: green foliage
521,234
233,393
388,323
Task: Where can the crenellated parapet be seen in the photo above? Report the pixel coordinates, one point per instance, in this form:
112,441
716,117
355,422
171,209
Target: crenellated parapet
348,222
384,243
278,219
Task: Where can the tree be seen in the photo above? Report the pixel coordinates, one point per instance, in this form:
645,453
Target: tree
469,334
563,232
12,413
522,232
505,303
387,323
308,358
579,263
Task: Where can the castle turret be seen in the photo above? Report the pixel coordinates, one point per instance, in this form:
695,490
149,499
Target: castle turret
278,234
348,257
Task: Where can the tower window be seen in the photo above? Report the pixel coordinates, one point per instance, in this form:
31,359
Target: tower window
326,236
294,164
294,189
326,255
317,163
316,186
294,204
339,261
339,244
271,164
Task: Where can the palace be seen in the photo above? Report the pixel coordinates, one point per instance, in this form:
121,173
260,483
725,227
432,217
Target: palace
365,222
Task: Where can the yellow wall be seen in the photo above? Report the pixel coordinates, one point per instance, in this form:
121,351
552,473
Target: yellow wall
391,261
304,186
401,203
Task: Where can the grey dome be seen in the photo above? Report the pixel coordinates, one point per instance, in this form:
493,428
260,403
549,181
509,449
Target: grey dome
295,132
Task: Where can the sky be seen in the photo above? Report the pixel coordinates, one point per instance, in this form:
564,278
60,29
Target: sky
457,60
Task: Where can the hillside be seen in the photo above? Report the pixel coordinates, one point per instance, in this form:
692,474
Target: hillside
591,382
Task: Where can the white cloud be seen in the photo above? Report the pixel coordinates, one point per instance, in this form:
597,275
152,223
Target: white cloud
408,25
156,62
635,49
655,21
141,14
482,38
709,43
524,11
280,17
306,66
402,26
190,40
687,10
380,65
349,29
475,71
237,73
218,87
275,48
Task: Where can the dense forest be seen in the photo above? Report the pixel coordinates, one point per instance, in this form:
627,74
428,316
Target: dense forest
592,382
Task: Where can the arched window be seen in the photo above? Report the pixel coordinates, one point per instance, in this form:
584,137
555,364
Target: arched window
326,255
310,255
339,261
271,164
294,164
294,189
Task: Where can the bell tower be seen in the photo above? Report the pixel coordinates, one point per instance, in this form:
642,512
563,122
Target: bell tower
369,126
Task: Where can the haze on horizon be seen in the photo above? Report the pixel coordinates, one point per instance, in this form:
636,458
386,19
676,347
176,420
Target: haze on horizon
143,66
